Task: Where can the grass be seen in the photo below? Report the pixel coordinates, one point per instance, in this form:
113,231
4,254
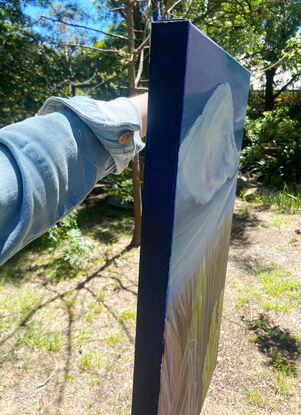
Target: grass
113,338
90,361
277,290
277,282
280,222
281,307
260,372
242,299
68,377
286,201
280,364
37,338
245,294
127,316
280,384
245,211
83,336
254,397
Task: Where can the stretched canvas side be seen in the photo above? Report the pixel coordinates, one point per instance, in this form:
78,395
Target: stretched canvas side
166,97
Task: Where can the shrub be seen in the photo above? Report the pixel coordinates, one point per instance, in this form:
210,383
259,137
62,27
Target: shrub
67,238
120,188
272,147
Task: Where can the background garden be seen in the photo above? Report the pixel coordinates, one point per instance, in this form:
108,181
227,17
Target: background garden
68,300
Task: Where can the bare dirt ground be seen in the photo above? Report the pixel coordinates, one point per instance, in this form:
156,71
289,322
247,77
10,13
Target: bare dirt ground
67,338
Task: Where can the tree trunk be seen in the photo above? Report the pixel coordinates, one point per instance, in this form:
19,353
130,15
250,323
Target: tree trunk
135,163
269,96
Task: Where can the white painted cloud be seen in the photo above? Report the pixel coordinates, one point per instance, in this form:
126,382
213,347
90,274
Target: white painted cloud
208,156
207,167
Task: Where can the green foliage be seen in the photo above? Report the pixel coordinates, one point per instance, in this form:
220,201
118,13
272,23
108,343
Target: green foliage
273,147
288,200
68,239
90,362
38,339
280,384
276,283
127,316
120,188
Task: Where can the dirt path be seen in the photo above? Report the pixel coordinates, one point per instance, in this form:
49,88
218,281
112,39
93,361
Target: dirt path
259,354
67,340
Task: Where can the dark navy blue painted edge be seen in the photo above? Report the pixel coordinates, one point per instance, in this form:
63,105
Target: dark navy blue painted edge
166,91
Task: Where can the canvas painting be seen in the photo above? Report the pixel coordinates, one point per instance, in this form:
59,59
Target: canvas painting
183,274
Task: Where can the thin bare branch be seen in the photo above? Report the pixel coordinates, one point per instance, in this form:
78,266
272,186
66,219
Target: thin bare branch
119,9
292,80
275,64
86,82
58,20
173,6
77,45
141,88
141,46
140,69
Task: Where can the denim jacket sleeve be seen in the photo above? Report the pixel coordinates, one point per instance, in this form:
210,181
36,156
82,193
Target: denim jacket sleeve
49,163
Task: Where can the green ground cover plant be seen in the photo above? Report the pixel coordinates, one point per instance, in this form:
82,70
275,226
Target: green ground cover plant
286,200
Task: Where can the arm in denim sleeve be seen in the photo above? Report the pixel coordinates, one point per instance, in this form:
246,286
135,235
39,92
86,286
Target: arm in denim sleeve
49,163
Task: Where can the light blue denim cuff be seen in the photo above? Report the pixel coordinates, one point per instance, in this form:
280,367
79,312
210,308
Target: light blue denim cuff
108,121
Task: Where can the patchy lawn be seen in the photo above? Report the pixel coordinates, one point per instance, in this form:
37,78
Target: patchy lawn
67,336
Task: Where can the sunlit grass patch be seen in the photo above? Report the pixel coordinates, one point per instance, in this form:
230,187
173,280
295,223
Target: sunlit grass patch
127,316
91,361
94,310
279,222
276,282
37,338
245,294
280,384
253,337
254,397
242,300
259,372
287,200
113,338
270,305
17,304
83,336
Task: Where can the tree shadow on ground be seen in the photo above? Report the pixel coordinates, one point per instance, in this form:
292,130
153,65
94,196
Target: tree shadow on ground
103,221
240,238
277,344
240,224
62,296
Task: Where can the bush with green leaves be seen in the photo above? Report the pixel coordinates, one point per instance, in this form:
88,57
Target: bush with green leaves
120,188
272,147
67,238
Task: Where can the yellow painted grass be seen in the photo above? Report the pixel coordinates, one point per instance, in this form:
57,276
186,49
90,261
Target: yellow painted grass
192,330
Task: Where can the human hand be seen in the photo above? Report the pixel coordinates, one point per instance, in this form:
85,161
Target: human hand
141,103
